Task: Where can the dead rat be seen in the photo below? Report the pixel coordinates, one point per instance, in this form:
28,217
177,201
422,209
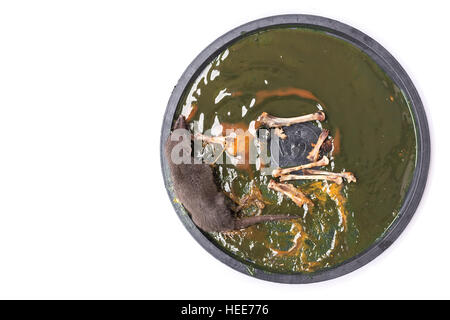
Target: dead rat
195,188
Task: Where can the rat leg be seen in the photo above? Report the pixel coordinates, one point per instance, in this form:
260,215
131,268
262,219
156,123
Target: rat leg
292,192
279,171
227,142
347,175
332,178
275,122
229,234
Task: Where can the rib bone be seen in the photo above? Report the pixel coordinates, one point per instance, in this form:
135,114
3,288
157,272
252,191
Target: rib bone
292,192
279,172
314,154
347,175
275,122
335,179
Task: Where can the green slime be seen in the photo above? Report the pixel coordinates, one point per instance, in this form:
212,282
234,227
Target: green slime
363,106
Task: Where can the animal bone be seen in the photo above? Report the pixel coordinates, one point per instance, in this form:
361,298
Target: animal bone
314,154
279,171
275,122
335,179
347,175
292,192
222,140
227,142
280,133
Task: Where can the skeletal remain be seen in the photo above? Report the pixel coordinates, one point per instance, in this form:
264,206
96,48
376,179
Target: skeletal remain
292,192
279,171
222,140
332,178
280,133
227,142
347,175
275,122
314,154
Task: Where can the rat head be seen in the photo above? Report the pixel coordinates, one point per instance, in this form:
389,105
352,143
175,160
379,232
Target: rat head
180,123
178,144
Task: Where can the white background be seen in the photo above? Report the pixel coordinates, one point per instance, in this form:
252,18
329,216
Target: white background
83,209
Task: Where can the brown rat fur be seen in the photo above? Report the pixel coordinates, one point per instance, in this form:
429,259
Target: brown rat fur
196,189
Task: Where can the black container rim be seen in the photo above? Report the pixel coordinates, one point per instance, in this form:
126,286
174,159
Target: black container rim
388,64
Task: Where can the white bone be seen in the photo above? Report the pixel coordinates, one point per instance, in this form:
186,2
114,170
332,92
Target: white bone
337,180
275,122
279,172
314,154
292,192
347,175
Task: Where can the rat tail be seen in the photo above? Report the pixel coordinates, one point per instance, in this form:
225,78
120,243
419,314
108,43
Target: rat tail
249,221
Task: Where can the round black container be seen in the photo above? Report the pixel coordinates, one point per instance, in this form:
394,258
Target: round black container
386,62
